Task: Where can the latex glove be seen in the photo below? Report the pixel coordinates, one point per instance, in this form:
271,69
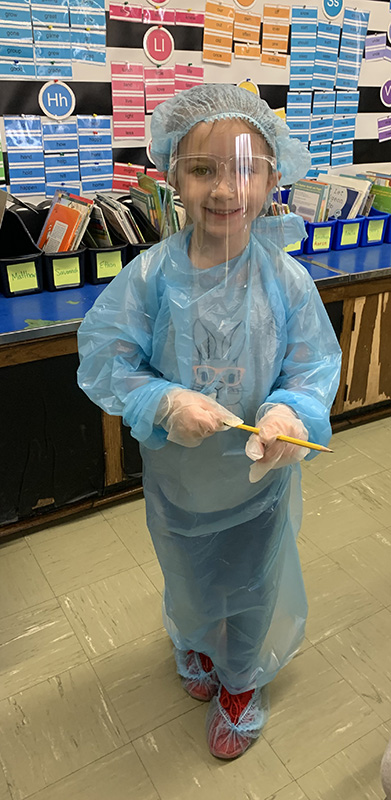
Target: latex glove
190,417
266,450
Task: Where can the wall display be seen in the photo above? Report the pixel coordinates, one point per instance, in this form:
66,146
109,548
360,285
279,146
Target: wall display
250,85
384,129
247,27
159,86
25,155
61,157
298,114
187,76
95,153
125,176
385,93
326,56
42,38
332,8
159,16
57,100
322,54
247,50
303,47
128,12
218,32
354,31
127,87
275,30
375,47
158,45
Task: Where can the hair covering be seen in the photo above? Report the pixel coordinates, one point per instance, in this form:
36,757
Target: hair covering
174,118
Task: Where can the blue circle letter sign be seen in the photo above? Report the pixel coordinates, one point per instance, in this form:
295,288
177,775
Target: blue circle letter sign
332,8
56,100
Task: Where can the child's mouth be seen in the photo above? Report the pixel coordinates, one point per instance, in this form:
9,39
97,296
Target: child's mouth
219,212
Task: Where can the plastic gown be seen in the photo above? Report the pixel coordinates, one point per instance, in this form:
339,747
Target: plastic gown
251,335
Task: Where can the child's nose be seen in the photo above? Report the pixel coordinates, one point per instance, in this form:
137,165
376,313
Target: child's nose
224,186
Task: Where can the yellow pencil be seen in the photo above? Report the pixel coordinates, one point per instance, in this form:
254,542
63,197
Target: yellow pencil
290,439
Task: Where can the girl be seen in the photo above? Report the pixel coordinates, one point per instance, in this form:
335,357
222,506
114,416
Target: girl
215,325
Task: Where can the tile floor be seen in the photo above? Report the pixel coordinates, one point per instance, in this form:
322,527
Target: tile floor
90,704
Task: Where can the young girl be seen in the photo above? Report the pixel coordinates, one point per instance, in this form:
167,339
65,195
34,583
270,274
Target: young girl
215,325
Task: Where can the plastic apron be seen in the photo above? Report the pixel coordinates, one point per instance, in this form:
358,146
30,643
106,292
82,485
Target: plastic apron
249,330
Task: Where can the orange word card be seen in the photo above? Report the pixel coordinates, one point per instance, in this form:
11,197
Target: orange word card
247,50
218,32
273,59
247,27
275,28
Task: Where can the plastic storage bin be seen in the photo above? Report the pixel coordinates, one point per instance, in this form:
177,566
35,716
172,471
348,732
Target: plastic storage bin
21,259
135,249
59,270
387,234
104,263
320,236
295,248
373,228
284,195
347,233
64,270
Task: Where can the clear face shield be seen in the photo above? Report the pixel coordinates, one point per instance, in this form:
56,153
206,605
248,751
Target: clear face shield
225,174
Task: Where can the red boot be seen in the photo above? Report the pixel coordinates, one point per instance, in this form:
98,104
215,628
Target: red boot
234,721
199,677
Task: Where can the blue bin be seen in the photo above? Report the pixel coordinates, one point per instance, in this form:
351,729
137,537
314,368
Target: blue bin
347,233
320,236
387,235
284,195
373,228
295,248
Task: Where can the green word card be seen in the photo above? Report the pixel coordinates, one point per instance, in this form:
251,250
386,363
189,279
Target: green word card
108,264
321,239
375,230
293,246
22,277
66,271
2,173
350,233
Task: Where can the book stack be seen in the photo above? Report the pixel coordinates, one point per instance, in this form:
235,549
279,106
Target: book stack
149,213
65,223
339,197
158,204
381,191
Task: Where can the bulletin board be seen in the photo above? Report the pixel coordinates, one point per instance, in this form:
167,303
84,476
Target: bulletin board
108,53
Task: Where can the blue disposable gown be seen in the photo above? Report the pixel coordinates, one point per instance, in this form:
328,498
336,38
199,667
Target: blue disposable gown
250,334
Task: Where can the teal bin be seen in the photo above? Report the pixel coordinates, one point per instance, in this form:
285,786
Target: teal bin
373,228
347,233
320,236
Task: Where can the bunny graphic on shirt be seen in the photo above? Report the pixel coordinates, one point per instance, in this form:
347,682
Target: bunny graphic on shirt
213,349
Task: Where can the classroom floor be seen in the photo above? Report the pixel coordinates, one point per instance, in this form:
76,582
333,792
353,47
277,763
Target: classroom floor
91,707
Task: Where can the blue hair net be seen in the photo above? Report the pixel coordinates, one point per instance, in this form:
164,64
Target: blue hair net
174,118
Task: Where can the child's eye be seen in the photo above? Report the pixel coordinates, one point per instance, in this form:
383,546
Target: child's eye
201,172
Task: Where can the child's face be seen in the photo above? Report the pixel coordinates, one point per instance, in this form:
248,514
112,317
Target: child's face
221,177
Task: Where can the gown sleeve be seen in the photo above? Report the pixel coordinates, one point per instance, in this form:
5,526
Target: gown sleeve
115,347
309,376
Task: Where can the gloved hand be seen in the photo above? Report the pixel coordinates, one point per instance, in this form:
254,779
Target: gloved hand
190,417
266,450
